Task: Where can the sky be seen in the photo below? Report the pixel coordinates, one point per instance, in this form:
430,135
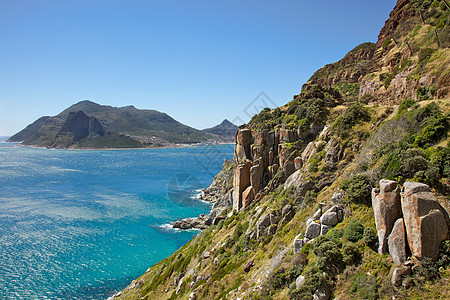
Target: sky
199,61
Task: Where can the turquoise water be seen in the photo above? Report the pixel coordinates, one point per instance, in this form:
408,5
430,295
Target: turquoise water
78,224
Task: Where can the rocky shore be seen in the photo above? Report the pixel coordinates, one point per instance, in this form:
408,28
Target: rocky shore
220,202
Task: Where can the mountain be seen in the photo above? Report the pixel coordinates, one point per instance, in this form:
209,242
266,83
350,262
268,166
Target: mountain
225,130
143,128
341,193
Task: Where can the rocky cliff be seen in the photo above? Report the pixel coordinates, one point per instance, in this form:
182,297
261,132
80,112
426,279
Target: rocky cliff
320,189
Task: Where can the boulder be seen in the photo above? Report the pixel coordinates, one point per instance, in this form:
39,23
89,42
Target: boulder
262,224
286,209
397,242
298,243
386,205
332,216
313,230
329,218
241,181
247,196
248,265
324,229
399,274
317,214
299,281
274,217
298,163
425,220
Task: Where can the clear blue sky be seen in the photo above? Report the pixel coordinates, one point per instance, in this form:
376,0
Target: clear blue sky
200,61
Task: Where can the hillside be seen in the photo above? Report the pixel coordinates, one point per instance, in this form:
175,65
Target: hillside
225,130
341,193
142,127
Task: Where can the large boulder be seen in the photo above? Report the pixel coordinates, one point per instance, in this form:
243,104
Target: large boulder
298,243
241,181
332,216
425,220
386,205
262,225
313,230
397,242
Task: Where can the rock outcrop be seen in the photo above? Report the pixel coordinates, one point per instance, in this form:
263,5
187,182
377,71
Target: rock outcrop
418,225
397,242
386,205
425,220
319,224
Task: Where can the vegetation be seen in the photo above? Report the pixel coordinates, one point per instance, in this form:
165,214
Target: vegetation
364,142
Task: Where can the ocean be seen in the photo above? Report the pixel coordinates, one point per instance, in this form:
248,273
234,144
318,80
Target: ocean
82,224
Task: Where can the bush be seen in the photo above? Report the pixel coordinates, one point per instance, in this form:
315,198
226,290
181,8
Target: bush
313,280
435,131
425,54
353,115
408,103
365,286
366,99
351,254
354,231
358,189
328,254
370,237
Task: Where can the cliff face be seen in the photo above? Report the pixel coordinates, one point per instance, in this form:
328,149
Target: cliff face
319,188
409,60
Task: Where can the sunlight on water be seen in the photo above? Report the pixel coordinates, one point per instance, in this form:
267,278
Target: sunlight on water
83,224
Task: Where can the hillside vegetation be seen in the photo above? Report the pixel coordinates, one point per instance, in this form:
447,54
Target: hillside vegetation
124,127
319,163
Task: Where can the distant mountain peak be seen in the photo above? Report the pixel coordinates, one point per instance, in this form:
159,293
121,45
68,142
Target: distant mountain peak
227,123
225,130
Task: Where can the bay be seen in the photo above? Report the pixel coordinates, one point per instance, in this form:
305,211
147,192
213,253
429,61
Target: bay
81,224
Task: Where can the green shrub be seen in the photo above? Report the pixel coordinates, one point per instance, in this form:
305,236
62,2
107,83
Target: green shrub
387,43
313,280
366,99
435,131
351,254
364,285
354,231
370,237
328,254
425,54
358,189
408,103
353,115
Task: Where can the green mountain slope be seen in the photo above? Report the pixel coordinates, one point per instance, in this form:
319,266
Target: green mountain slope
305,183
149,126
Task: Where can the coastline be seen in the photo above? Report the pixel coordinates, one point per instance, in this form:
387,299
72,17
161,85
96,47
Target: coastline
169,146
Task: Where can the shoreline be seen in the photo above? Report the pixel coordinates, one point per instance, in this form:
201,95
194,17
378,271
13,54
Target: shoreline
169,146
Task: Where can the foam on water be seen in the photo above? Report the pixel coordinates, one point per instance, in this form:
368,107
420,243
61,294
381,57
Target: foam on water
83,224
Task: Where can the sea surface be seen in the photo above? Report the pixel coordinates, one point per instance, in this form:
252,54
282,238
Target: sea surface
82,224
